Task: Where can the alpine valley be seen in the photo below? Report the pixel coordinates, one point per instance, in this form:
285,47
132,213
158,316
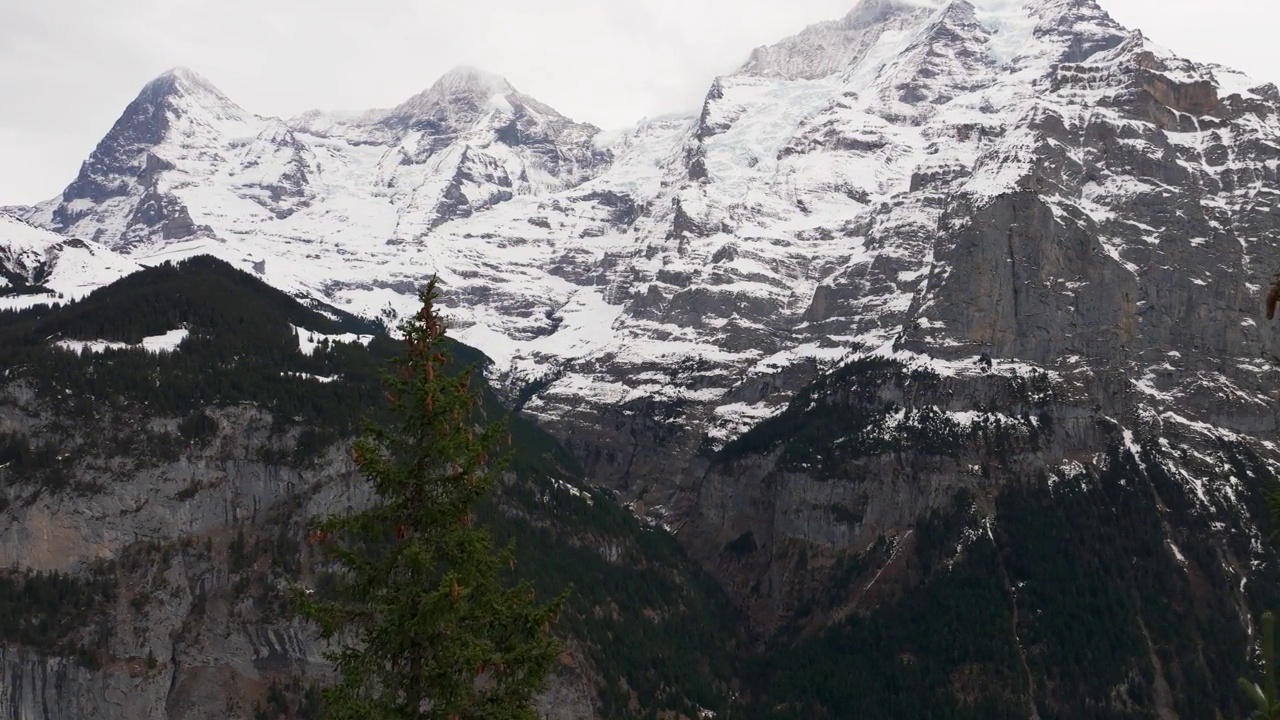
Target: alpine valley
922,374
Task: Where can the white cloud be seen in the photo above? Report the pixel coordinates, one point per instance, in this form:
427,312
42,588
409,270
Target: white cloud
68,67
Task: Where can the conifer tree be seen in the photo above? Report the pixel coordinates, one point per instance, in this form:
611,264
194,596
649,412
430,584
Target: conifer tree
423,623
1265,698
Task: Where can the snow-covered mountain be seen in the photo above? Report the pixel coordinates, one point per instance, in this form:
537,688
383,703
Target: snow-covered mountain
1029,181
40,267
949,296
185,161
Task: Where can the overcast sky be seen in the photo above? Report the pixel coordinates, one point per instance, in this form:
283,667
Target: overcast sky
68,67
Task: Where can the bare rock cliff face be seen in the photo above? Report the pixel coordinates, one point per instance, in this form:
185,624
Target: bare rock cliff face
194,543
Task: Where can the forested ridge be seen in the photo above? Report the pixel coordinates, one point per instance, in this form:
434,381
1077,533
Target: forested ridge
655,632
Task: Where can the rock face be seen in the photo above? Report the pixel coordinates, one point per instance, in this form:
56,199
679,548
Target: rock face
188,636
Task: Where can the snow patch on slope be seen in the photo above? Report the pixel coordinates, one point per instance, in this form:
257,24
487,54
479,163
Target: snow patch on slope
164,343
309,340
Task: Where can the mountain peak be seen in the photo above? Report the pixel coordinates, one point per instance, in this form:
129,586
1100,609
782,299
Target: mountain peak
834,45
186,92
177,103
182,81
1054,30
464,89
469,78
183,73
870,12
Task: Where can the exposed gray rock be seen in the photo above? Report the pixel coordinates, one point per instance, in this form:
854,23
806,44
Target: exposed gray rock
186,637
